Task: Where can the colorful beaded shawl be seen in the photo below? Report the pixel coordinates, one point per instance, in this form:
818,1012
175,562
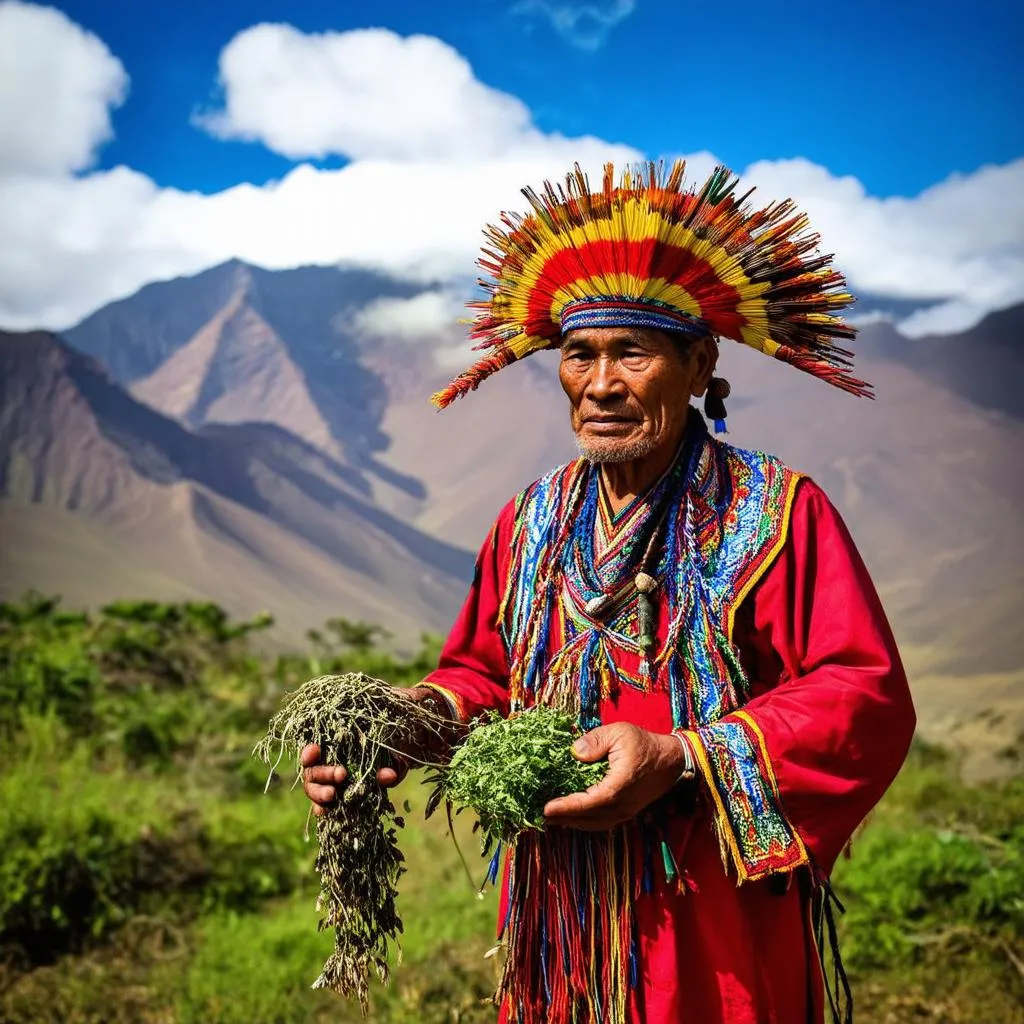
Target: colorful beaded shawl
727,519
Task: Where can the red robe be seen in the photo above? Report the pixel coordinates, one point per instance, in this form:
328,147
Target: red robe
832,710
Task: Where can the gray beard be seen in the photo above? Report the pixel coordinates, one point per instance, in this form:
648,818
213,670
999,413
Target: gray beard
615,451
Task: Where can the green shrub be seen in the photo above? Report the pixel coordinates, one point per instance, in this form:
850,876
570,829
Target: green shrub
906,891
941,865
251,968
73,843
87,847
44,664
166,683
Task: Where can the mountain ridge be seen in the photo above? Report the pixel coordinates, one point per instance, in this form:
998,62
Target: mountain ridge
74,440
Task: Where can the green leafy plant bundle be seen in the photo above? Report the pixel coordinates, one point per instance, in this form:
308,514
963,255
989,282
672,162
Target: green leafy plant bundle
361,723
506,770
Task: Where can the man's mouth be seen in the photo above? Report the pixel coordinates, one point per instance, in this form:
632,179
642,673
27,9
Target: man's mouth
608,422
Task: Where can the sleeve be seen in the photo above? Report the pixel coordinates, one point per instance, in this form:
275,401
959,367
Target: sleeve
795,771
472,673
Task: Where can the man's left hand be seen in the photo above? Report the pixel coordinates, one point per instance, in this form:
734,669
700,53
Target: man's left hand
642,766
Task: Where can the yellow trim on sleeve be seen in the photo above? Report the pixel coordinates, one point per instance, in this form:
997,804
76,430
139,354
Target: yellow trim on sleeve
726,840
723,828
745,717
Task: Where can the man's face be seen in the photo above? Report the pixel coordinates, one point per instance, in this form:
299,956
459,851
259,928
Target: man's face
629,389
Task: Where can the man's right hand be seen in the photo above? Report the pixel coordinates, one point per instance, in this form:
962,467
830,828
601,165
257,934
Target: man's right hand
322,781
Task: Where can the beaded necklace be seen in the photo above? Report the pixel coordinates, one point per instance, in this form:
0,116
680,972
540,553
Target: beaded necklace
610,568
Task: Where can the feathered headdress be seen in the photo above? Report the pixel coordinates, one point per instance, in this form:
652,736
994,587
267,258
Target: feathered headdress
648,252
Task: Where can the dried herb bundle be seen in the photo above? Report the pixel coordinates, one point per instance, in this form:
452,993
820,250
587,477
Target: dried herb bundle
359,722
506,770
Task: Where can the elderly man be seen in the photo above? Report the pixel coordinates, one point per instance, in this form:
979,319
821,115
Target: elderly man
701,610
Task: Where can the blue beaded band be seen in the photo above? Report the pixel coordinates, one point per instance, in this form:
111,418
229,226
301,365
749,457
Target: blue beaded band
625,313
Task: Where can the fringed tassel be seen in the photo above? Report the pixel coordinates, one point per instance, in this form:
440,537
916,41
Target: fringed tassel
825,903
564,967
538,635
669,862
679,692
676,876
530,636
589,679
493,867
563,686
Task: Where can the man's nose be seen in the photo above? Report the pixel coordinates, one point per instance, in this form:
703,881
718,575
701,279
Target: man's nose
604,381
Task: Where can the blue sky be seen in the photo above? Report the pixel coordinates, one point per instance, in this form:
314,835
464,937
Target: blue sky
143,141
899,94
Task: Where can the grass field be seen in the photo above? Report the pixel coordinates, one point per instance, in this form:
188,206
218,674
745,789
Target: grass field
145,876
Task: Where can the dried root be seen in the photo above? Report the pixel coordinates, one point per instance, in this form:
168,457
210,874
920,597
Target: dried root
363,724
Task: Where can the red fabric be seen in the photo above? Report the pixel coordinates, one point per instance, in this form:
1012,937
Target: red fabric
831,700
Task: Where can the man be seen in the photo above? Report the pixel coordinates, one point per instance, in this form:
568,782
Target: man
700,609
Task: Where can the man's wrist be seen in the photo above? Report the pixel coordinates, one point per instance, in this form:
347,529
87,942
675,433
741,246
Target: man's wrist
438,698
453,728
673,760
688,762
422,692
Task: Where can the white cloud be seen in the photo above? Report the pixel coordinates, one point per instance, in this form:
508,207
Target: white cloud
434,317
365,94
58,83
455,357
944,318
584,24
430,315
76,242
875,316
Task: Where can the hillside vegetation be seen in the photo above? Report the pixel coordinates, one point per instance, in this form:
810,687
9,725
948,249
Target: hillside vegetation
146,877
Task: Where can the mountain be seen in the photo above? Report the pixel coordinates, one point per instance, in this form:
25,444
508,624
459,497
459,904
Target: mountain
103,496
239,344
984,365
